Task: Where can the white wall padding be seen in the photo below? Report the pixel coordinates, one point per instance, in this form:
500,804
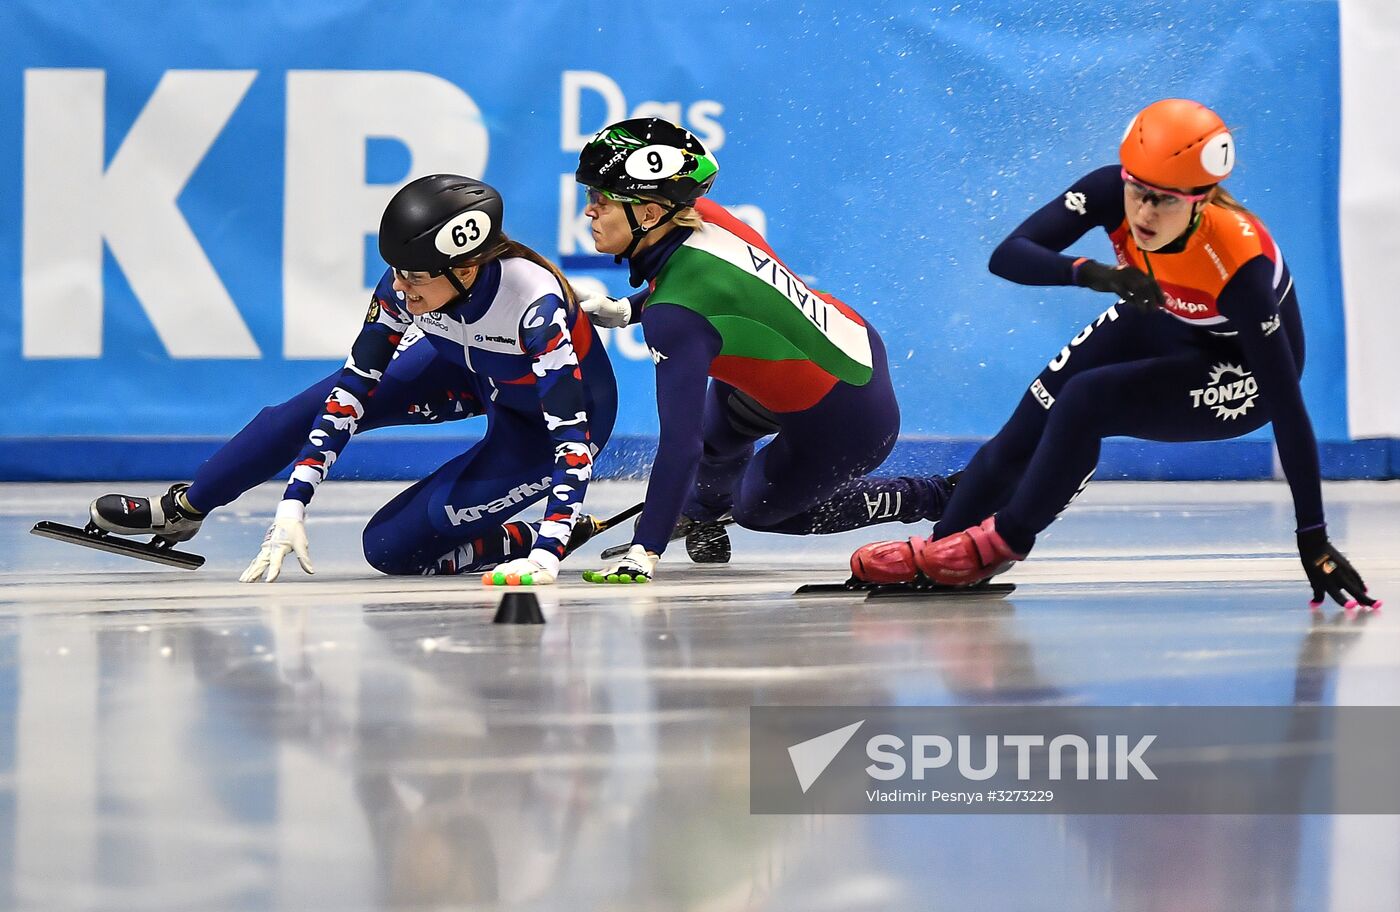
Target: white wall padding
1369,213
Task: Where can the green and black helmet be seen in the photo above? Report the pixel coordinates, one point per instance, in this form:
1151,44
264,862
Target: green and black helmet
647,159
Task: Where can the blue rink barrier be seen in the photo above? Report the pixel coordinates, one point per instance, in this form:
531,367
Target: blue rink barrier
629,456
165,290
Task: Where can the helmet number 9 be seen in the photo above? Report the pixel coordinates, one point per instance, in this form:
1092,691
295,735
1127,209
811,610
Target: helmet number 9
655,162
464,233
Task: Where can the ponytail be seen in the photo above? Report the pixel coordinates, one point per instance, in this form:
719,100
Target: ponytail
1223,198
507,247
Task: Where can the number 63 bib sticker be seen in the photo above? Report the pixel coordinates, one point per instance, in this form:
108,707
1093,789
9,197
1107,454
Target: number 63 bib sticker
655,162
464,233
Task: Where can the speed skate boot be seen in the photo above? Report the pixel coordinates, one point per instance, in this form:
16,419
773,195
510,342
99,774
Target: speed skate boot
705,542
169,517
961,559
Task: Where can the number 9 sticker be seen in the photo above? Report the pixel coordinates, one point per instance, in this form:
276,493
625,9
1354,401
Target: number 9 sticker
655,162
464,233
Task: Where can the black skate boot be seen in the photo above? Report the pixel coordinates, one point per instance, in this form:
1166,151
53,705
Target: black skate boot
705,542
167,517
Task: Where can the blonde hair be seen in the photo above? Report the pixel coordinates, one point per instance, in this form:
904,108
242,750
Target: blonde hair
1223,198
689,217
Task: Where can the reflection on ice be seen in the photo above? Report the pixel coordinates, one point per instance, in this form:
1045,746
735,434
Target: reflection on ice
356,742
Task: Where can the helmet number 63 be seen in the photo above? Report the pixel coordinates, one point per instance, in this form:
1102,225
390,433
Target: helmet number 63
461,238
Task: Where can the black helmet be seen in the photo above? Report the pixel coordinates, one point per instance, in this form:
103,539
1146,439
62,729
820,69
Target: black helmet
647,156
440,221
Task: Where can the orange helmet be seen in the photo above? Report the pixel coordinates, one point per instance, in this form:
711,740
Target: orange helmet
1178,144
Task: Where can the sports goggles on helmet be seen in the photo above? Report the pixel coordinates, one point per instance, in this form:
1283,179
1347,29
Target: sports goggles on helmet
595,195
1158,197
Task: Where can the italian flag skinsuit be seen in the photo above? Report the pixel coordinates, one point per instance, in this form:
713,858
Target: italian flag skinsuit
782,343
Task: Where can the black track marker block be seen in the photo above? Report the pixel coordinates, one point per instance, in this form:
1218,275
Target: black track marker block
519,608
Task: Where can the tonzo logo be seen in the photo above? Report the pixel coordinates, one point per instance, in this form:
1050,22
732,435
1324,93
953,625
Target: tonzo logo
1231,392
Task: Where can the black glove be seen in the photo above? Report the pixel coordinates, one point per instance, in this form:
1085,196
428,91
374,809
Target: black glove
1137,289
1329,571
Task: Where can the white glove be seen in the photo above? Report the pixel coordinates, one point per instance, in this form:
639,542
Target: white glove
539,569
286,534
602,310
638,565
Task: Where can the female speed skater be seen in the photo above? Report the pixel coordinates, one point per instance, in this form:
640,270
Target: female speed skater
465,322
1205,343
743,350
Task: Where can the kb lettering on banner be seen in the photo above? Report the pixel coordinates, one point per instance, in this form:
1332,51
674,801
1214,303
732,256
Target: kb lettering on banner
75,201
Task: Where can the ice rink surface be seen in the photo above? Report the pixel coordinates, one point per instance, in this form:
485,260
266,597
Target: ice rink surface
174,740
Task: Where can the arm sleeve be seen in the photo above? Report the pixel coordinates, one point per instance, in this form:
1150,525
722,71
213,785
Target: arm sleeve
385,324
683,344
1031,255
638,301
1251,304
546,337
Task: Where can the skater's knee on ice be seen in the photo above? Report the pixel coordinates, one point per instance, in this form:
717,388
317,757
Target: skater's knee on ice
387,555
759,516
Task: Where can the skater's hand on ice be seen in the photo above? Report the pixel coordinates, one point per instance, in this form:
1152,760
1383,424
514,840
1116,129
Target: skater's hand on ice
1329,572
286,535
605,311
636,566
539,569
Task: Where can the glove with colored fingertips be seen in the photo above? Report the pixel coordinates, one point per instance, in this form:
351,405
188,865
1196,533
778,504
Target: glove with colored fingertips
1137,289
541,568
636,566
602,310
286,535
1329,572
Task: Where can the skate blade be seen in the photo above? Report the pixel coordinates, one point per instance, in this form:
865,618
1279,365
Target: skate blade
906,590
933,590
101,541
615,551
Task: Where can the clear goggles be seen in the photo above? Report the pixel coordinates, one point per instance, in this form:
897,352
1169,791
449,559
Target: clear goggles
1158,197
594,196
410,277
